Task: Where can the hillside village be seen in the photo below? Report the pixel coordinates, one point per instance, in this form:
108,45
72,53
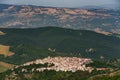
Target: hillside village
62,64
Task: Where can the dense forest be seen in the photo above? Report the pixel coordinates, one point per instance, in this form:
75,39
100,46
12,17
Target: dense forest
31,44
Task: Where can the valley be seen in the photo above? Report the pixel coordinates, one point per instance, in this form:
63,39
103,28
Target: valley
59,43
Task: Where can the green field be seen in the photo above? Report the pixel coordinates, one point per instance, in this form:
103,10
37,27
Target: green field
2,68
5,66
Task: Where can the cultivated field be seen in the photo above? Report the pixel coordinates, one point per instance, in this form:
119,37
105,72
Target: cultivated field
5,66
4,50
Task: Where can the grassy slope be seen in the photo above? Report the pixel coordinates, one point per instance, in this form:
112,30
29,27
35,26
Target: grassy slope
2,68
109,76
29,44
5,66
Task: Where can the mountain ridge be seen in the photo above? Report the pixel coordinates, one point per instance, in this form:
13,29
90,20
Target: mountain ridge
12,16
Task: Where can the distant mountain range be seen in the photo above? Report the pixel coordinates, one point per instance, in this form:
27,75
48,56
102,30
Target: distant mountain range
107,6
96,19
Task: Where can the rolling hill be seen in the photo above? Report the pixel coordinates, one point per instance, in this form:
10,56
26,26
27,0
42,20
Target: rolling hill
30,44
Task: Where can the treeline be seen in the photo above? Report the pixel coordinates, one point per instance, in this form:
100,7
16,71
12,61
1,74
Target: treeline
47,75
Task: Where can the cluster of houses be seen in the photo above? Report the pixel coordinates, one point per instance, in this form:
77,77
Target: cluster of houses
63,64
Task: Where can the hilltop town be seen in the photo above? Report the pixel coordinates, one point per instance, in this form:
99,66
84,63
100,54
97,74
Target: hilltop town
62,64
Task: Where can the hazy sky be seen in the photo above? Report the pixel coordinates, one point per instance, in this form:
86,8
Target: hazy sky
65,3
